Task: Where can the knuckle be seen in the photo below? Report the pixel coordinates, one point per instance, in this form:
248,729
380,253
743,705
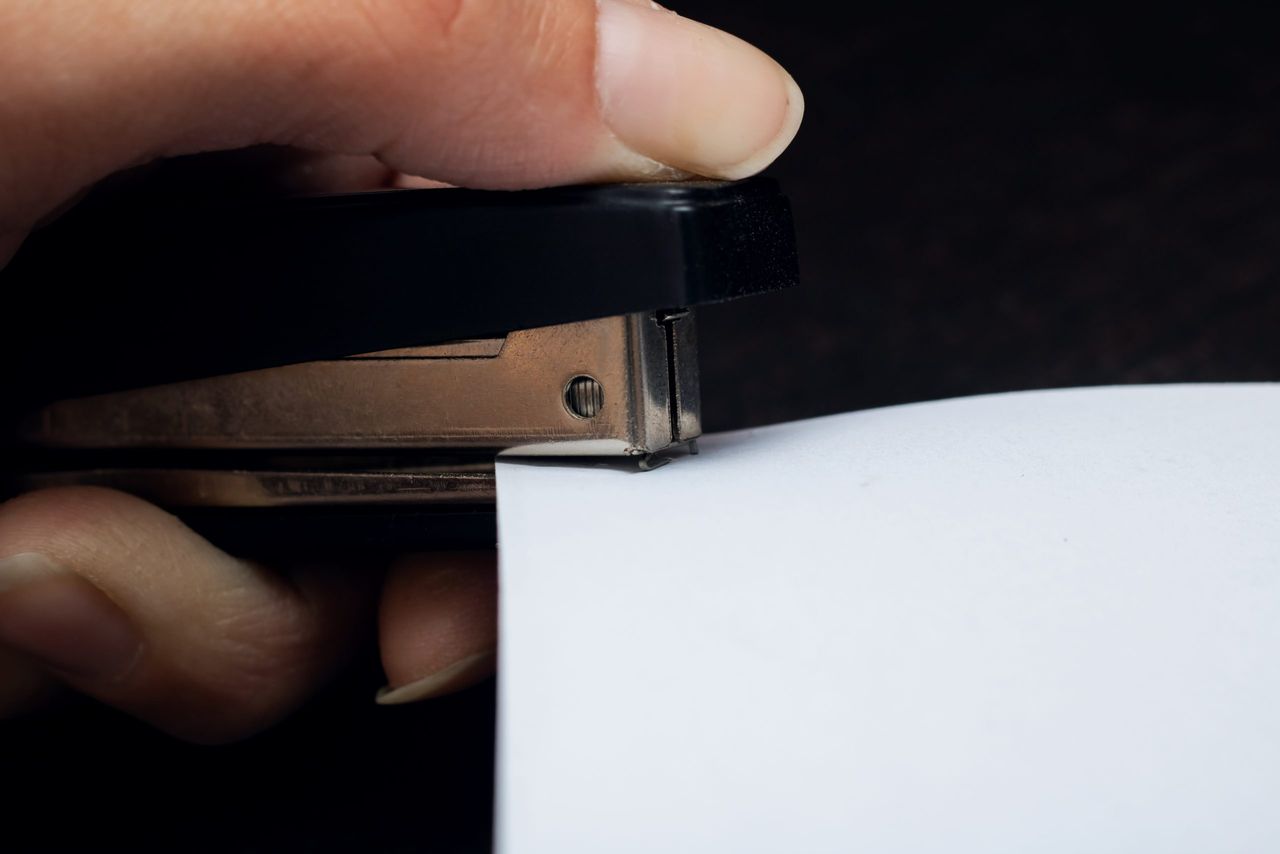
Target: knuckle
263,640
445,14
73,524
402,29
235,665
508,34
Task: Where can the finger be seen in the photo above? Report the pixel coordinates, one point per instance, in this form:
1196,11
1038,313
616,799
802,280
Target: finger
483,93
120,600
438,626
336,173
314,172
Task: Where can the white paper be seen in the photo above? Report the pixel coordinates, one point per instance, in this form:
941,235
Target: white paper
1041,622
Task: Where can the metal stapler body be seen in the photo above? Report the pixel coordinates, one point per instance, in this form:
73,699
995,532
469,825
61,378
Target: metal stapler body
364,358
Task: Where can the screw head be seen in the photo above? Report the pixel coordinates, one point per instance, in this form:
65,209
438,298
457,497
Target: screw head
584,397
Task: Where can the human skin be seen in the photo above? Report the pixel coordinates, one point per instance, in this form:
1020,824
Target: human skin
107,595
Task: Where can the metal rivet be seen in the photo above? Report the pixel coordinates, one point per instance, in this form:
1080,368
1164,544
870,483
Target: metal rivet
584,397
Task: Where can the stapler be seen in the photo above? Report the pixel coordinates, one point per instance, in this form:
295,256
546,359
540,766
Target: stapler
348,367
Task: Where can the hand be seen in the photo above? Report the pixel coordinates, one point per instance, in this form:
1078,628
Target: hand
113,597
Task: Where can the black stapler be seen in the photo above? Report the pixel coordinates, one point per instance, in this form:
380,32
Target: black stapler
352,364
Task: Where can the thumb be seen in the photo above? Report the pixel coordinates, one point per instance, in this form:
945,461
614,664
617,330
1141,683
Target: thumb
481,93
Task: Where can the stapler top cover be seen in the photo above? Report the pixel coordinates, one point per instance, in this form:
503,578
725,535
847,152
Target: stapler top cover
118,299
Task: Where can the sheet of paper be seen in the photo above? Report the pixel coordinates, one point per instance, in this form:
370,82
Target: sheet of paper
1040,622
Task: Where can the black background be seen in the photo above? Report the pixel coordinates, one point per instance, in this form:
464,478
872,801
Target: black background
1016,197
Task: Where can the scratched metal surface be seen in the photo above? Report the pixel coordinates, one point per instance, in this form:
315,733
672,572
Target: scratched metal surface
1013,199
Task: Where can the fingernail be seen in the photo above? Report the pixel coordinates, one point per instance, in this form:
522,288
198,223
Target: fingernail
690,96
60,619
455,677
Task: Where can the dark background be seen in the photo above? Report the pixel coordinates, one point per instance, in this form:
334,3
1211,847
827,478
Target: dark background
1011,198
1017,198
